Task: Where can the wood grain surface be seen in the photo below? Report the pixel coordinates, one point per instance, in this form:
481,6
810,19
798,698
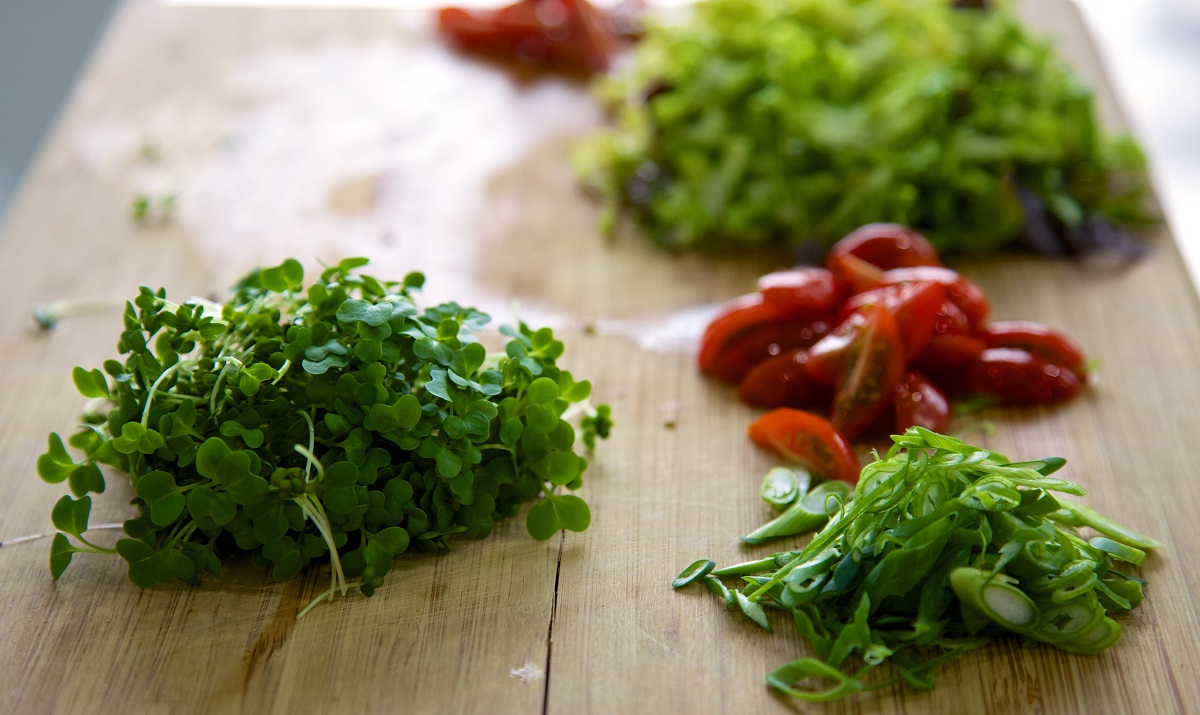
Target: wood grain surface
322,134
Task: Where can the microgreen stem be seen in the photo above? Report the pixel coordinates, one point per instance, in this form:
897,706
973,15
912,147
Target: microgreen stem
327,594
99,549
154,390
312,509
312,460
282,371
183,534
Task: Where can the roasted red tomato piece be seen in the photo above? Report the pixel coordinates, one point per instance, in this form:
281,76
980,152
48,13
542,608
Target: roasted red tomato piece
873,366
887,246
963,293
747,331
806,290
782,381
567,34
919,402
1018,377
1036,338
914,304
808,440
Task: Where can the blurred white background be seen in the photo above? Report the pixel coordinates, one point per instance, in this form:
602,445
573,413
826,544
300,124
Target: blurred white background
1151,49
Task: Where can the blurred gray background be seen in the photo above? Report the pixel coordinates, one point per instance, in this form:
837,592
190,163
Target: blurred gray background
43,46
1151,48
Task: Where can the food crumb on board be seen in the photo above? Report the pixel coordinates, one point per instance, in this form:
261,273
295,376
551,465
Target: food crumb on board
527,672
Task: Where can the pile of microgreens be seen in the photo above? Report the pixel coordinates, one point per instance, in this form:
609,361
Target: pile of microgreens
336,422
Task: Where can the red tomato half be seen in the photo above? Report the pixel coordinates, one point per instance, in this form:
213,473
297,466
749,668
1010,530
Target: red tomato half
782,381
810,291
919,402
949,350
807,440
873,366
1036,338
747,331
1018,377
914,304
887,246
963,293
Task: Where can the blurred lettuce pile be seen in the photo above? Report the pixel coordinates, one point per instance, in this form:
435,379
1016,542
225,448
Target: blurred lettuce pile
757,123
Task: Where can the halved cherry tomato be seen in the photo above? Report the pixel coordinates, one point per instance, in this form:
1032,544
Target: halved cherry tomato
952,320
806,290
873,366
1017,377
919,402
747,331
827,355
886,246
1036,338
963,293
949,350
808,440
782,381
914,304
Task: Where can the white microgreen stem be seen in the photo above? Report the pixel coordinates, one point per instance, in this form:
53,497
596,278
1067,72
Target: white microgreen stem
34,537
312,461
312,509
282,371
327,594
154,389
312,440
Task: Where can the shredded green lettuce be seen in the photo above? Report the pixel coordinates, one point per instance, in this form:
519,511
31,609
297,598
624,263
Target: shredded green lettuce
758,123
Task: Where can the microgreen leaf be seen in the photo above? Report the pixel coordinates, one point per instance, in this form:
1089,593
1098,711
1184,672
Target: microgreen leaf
557,512
90,383
61,552
70,516
86,478
56,464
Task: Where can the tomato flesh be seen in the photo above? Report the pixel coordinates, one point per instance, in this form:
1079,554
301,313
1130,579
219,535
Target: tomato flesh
873,367
783,381
919,402
1017,377
914,304
808,440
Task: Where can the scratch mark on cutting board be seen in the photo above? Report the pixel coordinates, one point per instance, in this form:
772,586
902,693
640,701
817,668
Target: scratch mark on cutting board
666,647
272,636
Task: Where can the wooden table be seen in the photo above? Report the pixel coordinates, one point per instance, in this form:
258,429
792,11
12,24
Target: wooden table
325,134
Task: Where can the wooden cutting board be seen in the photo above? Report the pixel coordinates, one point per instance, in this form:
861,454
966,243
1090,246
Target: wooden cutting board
323,134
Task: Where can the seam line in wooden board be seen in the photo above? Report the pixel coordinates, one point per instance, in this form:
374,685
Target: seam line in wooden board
562,537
